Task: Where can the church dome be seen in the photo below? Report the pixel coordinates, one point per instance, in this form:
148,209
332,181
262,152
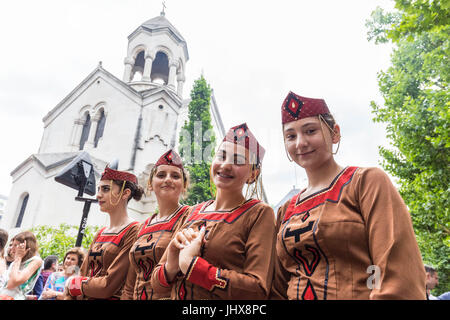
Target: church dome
161,23
157,54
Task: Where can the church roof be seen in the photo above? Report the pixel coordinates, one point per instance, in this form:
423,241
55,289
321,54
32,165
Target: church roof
49,161
99,70
153,91
161,23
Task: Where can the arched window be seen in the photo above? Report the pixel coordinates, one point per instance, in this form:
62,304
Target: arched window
138,68
85,132
100,127
22,211
160,68
137,76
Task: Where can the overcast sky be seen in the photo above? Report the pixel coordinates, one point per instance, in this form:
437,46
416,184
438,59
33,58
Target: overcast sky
251,53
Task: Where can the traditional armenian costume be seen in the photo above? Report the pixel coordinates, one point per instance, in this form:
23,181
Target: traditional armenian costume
103,273
151,242
236,258
351,240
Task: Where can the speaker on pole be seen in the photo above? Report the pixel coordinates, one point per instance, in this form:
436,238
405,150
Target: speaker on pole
79,175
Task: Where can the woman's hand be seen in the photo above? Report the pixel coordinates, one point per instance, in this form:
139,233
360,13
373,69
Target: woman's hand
21,250
191,250
181,239
49,294
46,294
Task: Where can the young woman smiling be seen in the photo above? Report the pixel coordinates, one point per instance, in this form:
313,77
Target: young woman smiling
348,234
105,268
168,180
225,249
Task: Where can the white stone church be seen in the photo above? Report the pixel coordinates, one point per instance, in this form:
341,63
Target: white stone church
133,119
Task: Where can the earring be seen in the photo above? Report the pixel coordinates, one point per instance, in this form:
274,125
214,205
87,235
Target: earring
147,189
322,120
258,183
246,191
211,183
255,189
339,143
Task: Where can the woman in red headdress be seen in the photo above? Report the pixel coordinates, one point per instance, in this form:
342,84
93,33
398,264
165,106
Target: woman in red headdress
103,272
225,249
348,234
168,180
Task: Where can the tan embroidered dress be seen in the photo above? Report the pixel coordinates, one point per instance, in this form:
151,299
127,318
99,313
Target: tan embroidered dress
152,240
330,245
107,263
236,262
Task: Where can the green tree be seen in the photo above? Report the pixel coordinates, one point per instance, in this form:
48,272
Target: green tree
416,113
197,143
57,240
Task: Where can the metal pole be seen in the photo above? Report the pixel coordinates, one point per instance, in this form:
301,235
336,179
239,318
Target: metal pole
86,208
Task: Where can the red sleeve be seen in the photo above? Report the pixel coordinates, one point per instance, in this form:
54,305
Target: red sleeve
202,273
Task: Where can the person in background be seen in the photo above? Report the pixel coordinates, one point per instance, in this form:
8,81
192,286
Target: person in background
9,257
432,281
3,266
444,296
24,271
50,266
54,286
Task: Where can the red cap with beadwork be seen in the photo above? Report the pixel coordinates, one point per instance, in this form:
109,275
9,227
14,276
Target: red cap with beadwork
170,158
242,135
111,174
296,107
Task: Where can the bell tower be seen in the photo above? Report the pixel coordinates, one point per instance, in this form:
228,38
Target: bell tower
156,56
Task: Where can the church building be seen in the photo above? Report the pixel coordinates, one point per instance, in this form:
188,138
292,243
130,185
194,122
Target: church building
133,120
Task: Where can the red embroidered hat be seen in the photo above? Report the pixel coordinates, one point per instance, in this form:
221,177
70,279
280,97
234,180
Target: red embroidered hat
170,158
242,135
296,107
111,174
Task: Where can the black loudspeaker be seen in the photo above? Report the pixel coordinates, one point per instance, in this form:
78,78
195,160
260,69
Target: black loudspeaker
79,175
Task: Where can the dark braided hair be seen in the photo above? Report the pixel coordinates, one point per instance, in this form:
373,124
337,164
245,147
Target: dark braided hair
136,190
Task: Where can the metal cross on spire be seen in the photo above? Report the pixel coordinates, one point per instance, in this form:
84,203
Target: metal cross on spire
163,13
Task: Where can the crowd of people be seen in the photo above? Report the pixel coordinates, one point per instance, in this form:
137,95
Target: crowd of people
319,245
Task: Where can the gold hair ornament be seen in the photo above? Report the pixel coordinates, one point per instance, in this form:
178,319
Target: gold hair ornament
120,194
211,183
255,183
326,123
